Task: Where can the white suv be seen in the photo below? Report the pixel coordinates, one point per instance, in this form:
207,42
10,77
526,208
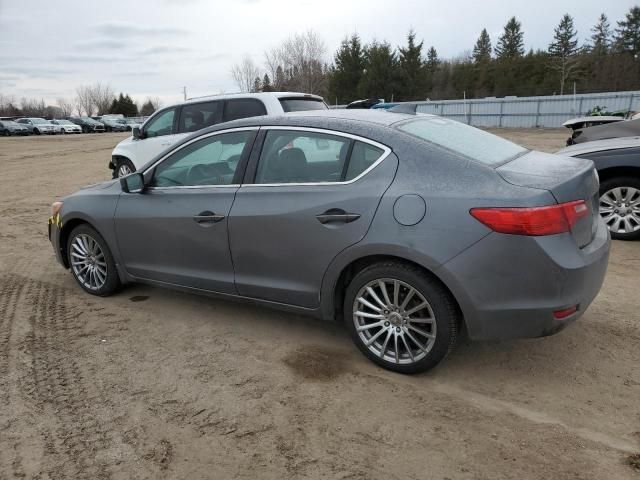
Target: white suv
169,125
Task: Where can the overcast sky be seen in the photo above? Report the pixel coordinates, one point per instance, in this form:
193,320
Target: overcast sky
154,48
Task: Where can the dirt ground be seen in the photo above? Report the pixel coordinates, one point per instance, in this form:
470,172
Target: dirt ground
156,384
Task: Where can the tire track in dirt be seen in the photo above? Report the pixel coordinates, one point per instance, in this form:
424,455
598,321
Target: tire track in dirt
71,432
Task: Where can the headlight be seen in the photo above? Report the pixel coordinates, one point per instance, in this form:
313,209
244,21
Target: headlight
55,208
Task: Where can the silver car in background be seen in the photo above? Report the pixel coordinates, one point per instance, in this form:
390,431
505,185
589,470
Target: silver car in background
407,228
65,126
37,126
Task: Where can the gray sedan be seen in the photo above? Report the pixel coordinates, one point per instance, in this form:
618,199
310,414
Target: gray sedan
407,228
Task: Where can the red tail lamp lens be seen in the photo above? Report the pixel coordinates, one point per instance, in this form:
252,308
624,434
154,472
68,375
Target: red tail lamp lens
562,314
532,221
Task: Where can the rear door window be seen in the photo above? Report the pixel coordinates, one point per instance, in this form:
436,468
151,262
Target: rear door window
471,142
296,104
197,116
237,108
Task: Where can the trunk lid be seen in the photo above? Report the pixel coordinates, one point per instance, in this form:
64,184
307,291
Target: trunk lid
567,179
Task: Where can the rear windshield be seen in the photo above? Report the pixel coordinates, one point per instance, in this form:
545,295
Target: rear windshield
469,141
302,104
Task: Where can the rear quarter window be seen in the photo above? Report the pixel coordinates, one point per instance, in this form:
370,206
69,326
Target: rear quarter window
471,142
302,104
243,108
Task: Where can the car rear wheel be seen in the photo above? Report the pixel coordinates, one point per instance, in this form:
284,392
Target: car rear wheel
400,317
124,167
620,207
91,262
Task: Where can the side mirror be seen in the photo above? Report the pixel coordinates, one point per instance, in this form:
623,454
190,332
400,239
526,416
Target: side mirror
136,133
133,183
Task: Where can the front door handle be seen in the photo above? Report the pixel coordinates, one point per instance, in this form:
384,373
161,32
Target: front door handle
337,215
207,217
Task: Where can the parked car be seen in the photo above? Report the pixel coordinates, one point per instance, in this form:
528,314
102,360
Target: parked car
171,124
131,123
113,124
9,127
37,126
618,163
408,228
88,125
622,128
65,126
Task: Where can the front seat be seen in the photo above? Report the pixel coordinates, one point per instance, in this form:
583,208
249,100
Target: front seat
291,166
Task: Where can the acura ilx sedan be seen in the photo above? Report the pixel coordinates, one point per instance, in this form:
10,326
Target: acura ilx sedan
407,228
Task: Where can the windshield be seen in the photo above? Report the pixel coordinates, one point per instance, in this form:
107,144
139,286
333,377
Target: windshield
471,142
296,104
9,123
64,122
39,121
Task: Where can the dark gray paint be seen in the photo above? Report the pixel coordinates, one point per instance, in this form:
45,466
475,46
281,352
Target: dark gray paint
505,285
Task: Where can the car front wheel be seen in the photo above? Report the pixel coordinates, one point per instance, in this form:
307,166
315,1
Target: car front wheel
620,207
124,167
91,262
400,317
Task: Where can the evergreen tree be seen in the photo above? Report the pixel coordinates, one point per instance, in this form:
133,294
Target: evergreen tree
563,49
348,69
412,69
432,59
266,84
280,80
147,108
511,42
124,105
257,85
601,36
379,79
482,48
627,37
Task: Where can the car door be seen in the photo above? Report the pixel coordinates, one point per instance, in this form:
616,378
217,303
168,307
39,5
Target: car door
309,195
176,230
157,135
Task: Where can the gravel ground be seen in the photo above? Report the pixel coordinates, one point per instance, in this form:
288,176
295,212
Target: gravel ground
156,384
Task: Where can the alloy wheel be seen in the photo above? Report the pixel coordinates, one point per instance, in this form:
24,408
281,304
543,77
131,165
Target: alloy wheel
88,262
124,170
394,321
620,209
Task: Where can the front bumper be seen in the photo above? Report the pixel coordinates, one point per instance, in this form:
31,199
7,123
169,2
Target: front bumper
508,286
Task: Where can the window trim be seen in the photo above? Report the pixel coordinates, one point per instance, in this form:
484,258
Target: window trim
241,164
386,151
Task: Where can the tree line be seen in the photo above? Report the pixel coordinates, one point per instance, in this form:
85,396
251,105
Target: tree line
89,100
608,61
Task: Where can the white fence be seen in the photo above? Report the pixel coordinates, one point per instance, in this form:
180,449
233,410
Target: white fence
527,112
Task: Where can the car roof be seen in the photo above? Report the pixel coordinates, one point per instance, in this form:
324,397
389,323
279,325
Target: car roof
277,95
600,146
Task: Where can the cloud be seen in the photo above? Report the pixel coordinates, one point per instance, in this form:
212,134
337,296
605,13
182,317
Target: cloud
117,30
37,71
163,49
102,43
75,58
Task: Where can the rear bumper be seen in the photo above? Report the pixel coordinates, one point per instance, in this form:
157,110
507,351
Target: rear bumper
508,286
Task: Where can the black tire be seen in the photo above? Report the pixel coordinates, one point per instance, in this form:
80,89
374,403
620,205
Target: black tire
112,280
121,165
62,131
6,133
85,129
445,312
36,131
624,183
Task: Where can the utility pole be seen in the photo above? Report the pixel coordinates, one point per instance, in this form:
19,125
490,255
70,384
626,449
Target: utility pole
184,93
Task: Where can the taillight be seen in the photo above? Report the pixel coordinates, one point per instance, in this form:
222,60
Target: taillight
534,221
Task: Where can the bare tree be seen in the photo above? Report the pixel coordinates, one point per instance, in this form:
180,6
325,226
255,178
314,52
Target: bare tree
102,96
84,100
244,74
66,106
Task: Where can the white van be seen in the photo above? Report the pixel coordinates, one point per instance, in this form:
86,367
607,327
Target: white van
169,125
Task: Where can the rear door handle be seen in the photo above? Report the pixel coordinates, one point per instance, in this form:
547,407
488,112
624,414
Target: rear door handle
337,215
207,217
